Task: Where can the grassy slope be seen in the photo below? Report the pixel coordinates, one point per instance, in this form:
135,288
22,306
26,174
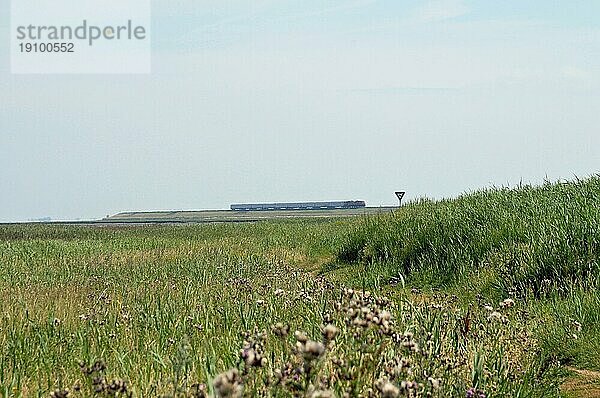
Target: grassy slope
538,245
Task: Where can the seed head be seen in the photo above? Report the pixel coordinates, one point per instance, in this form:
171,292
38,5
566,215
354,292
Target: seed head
316,393
329,332
495,316
281,330
435,383
507,303
313,350
388,390
229,384
300,336
385,315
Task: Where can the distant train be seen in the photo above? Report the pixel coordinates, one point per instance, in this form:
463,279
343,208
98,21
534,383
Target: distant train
349,204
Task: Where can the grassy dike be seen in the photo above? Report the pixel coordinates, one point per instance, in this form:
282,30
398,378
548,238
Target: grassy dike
539,245
493,294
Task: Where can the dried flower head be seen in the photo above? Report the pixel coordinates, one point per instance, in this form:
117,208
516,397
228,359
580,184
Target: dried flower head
60,393
388,389
318,393
313,350
229,384
507,303
300,336
280,330
330,332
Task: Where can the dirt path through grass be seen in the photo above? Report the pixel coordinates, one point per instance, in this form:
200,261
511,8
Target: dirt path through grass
583,384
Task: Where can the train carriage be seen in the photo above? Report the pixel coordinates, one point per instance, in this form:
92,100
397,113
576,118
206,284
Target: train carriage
348,204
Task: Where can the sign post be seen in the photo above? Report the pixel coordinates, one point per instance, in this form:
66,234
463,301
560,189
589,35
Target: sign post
400,195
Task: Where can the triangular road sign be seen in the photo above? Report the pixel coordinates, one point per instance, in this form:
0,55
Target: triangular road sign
400,195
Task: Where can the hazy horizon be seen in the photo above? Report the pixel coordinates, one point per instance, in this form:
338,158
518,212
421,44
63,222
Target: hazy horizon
274,101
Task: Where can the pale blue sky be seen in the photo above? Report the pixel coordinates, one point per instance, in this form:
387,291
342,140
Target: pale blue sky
309,100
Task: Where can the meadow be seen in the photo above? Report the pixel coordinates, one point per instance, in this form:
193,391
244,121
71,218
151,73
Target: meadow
491,294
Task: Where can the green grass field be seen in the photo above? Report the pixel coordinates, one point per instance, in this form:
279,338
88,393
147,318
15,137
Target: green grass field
492,294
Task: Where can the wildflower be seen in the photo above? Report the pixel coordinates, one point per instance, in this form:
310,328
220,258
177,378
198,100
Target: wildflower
56,322
301,337
385,315
507,303
315,393
329,332
278,292
229,384
60,393
281,330
97,367
411,345
473,393
251,356
117,386
199,390
408,385
489,308
435,383
313,350
495,316
252,351
389,390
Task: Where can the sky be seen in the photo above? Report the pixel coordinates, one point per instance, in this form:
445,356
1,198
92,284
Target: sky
265,101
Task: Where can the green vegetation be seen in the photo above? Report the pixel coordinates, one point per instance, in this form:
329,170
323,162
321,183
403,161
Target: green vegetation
493,294
538,245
